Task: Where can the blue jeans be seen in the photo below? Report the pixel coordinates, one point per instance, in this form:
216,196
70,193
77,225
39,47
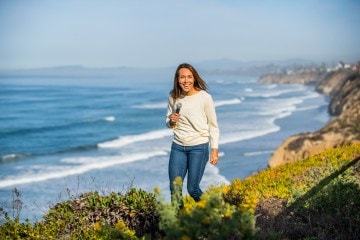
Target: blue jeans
191,160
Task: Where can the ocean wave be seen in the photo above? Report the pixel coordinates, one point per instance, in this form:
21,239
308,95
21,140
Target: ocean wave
23,131
110,118
73,149
257,153
285,107
311,95
227,102
243,135
11,157
279,107
160,105
129,139
271,86
163,105
275,93
19,156
44,173
307,108
212,177
236,82
220,81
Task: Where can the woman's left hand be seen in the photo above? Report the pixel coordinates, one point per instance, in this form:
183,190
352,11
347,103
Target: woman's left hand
214,156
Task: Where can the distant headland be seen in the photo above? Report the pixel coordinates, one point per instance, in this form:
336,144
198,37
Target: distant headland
342,85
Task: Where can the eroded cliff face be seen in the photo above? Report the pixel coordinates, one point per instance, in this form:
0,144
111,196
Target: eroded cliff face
332,80
343,87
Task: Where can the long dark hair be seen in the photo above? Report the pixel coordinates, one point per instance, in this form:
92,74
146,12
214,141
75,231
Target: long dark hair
199,83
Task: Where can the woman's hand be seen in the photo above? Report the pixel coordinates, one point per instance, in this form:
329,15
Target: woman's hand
214,156
174,118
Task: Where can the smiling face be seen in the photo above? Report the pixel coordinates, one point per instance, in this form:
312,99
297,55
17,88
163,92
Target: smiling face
186,81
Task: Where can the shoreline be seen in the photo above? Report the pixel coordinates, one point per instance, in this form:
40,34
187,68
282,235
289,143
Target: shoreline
341,89
262,147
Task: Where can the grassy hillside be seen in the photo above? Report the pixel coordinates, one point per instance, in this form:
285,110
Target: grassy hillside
317,198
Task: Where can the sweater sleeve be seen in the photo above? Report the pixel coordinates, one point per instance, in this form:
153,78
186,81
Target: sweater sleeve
214,131
169,111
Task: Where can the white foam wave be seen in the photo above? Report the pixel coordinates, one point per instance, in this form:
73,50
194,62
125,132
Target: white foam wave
227,102
243,135
86,165
271,86
284,107
281,108
11,156
129,139
212,176
275,93
257,153
163,105
283,115
311,95
160,105
270,110
110,118
307,108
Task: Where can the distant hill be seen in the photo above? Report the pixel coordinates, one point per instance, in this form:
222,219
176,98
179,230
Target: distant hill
78,71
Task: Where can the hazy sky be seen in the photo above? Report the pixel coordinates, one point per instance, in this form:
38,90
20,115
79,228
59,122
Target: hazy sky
161,33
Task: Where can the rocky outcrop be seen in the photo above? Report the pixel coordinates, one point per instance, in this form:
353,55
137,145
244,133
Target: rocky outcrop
343,87
332,80
344,95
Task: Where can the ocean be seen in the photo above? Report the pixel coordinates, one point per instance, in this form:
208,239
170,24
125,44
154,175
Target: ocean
60,140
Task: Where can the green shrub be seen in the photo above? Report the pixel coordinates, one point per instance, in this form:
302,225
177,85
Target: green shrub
210,218
92,216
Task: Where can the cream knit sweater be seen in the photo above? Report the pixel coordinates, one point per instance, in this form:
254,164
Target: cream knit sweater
198,122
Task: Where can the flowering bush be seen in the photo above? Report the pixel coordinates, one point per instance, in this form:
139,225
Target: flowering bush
224,212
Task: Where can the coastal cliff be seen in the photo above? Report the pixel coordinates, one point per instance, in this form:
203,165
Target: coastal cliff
343,88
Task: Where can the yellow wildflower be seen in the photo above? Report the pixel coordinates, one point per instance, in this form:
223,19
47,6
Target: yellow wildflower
157,191
97,226
227,213
129,232
120,225
201,204
226,189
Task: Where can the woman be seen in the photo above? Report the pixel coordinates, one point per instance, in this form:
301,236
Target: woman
191,114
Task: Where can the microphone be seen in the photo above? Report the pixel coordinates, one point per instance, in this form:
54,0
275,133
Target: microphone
178,107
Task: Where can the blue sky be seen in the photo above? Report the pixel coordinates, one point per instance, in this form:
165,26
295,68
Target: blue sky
162,33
